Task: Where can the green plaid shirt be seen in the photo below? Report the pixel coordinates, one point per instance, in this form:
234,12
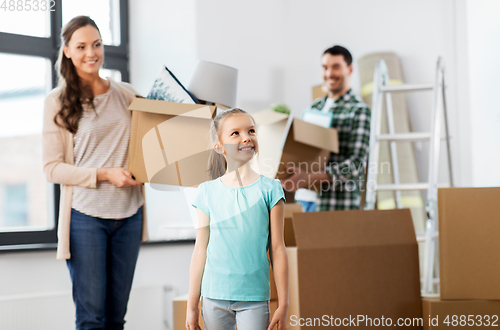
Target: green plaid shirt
351,118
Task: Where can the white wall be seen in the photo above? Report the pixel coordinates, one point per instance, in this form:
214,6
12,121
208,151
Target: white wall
484,67
277,45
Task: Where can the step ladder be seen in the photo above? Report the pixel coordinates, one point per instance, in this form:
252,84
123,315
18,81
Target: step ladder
381,89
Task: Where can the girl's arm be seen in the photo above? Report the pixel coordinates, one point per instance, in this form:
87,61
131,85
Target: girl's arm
280,264
196,272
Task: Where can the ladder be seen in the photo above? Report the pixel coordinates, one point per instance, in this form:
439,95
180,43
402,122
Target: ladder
381,89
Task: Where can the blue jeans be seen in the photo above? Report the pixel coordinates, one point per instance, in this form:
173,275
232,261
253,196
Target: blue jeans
226,314
308,206
103,257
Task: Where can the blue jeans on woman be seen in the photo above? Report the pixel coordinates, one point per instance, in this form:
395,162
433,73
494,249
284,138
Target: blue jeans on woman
103,257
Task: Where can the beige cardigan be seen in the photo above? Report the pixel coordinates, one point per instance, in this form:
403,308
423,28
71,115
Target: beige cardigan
58,165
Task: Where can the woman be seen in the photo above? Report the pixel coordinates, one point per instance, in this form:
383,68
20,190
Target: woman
85,149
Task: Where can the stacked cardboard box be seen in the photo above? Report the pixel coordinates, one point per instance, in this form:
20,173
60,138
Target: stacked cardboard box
469,248
356,267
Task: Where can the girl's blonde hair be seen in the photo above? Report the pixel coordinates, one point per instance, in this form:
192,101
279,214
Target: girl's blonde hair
217,164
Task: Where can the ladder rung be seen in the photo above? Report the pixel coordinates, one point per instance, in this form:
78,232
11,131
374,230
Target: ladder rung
404,137
406,88
403,186
421,236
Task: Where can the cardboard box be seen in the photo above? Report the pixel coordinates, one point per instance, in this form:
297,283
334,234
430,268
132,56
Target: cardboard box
289,238
469,243
271,129
319,91
350,263
307,146
160,149
180,308
462,314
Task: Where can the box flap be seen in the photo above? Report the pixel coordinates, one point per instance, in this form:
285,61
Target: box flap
318,230
319,91
291,208
169,108
268,117
316,136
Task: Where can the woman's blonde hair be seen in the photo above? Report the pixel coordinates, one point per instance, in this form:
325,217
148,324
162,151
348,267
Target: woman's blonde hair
217,164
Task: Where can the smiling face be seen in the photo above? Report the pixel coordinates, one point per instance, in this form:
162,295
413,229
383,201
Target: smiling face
86,51
238,138
336,74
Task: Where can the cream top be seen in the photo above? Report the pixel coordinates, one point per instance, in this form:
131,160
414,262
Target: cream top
102,141
59,167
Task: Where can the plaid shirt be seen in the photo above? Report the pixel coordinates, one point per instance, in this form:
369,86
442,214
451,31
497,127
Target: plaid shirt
351,118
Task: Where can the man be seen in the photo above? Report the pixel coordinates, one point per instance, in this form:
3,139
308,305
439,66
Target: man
342,178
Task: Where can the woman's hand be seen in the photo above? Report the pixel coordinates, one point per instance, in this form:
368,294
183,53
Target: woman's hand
120,177
279,318
192,322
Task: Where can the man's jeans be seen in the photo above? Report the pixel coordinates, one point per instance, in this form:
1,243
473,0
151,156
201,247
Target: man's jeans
103,257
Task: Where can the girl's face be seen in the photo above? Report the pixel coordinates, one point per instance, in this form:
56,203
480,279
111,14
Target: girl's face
238,138
85,50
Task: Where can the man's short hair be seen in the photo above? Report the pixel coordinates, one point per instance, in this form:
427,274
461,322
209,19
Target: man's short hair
339,50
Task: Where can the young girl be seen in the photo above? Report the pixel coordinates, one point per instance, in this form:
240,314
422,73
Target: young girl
241,217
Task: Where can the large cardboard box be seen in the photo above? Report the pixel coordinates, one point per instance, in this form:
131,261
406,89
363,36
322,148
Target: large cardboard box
350,264
170,142
469,243
462,314
289,238
307,146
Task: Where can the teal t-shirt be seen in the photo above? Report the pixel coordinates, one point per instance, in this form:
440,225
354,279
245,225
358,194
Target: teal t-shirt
237,267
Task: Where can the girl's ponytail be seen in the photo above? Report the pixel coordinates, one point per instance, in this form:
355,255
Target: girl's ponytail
216,165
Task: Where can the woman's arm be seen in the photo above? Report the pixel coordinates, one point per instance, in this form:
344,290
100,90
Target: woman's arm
53,152
280,264
196,271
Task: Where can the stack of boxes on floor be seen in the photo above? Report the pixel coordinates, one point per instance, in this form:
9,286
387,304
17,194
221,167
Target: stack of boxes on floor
352,268
469,257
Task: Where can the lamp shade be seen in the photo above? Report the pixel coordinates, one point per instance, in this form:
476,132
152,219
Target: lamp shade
215,83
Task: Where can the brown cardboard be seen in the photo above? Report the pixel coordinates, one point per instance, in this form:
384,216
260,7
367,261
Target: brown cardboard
161,151
316,136
436,311
307,146
271,128
180,308
469,243
319,91
289,238
349,263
